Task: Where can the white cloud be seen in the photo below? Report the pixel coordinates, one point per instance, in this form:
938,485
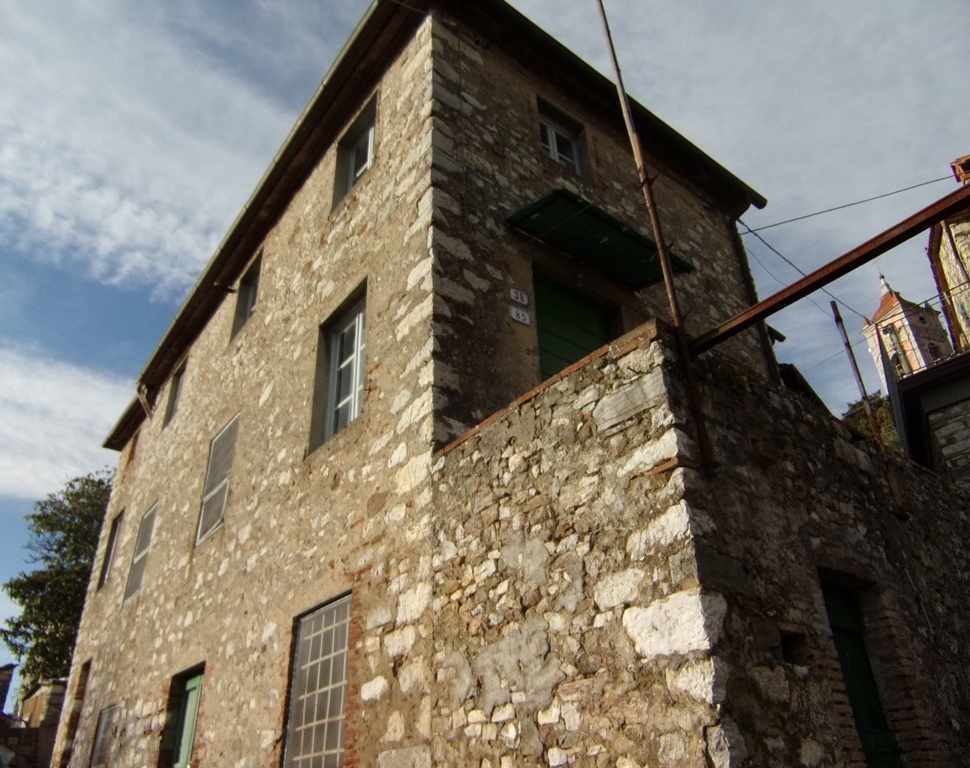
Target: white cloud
123,154
53,418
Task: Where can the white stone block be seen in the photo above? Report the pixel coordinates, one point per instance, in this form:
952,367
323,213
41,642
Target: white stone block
680,623
617,588
372,690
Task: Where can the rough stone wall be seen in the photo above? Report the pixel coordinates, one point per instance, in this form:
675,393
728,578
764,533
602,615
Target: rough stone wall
571,626
796,499
299,528
602,601
488,163
950,431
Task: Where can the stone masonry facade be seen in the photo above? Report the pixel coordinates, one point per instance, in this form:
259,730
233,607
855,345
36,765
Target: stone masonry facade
540,573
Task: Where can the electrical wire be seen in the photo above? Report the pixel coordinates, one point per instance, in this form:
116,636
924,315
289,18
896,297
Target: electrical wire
850,205
798,269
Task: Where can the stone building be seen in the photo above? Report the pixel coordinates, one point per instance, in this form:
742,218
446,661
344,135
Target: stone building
411,480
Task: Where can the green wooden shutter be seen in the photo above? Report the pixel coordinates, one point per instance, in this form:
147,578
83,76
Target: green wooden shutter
570,325
188,714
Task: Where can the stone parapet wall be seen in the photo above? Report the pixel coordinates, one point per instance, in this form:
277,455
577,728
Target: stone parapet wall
571,627
601,599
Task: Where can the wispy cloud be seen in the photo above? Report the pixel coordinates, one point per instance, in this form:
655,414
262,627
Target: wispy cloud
124,155
53,418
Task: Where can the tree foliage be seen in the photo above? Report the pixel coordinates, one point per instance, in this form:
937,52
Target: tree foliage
855,417
64,530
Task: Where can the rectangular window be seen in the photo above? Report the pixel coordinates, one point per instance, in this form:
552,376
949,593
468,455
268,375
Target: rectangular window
140,558
315,723
221,451
848,633
339,389
561,137
103,738
355,151
246,295
174,394
109,549
178,736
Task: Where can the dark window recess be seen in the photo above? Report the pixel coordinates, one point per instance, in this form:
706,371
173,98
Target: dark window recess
848,632
246,295
570,325
178,736
794,648
109,550
174,394
355,152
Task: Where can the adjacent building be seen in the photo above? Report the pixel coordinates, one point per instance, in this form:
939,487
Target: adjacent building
412,479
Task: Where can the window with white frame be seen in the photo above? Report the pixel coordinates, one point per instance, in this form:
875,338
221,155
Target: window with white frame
339,388
216,489
139,559
355,151
561,137
318,688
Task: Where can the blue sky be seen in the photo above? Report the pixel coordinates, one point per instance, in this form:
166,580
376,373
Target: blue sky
132,134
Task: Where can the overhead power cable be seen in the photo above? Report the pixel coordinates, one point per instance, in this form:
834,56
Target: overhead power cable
849,205
798,269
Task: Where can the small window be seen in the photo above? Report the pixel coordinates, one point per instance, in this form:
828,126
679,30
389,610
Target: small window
246,295
935,352
178,736
174,394
318,686
221,451
355,151
561,137
103,738
109,550
339,389
140,558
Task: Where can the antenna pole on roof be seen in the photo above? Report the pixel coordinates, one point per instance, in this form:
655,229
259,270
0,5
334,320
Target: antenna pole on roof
683,345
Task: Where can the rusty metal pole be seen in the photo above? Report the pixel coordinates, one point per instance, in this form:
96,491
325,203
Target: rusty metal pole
873,424
683,344
894,485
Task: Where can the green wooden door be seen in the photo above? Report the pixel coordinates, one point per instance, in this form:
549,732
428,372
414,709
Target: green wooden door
870,718
570,325
188,713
